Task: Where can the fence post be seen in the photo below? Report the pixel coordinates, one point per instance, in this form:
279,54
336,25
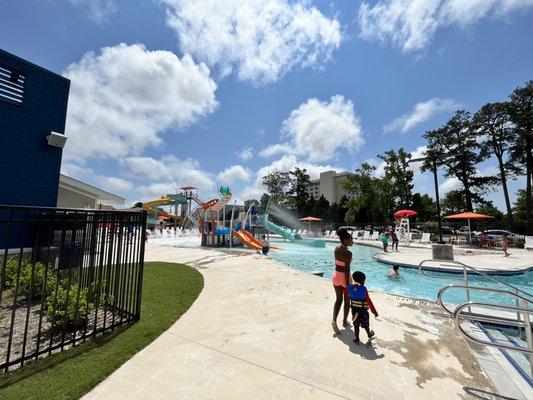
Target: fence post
141,266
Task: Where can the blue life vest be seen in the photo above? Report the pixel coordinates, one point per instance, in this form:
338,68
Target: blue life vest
358,295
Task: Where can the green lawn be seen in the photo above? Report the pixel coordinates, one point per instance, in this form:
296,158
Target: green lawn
168,291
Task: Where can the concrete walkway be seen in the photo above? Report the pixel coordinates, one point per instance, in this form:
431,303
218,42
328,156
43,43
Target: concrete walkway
262,331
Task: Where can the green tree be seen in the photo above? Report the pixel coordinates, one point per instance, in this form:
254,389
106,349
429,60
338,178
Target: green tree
424,206
453,203
263,202
298,188
310,206
397,171
337,211
321,208
457,140
488,208
371,199
278,185
520,207
492,123
521,112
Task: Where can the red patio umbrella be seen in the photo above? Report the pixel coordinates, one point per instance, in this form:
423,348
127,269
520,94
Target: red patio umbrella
468,215
405,213
309,219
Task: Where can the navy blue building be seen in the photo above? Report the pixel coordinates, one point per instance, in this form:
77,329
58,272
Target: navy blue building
33,104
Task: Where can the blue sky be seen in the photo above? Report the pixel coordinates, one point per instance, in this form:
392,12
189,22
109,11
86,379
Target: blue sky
175,92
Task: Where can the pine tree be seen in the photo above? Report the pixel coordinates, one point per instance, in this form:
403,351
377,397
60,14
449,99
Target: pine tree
521,112
454,146
398,172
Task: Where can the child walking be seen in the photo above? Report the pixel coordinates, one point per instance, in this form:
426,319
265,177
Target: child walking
360,302
505,244
395,240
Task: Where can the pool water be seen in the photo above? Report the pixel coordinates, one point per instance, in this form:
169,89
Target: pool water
411,283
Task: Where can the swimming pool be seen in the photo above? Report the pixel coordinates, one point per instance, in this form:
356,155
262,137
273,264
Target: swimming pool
411,283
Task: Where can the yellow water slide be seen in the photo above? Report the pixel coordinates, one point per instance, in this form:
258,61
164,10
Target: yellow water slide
163,201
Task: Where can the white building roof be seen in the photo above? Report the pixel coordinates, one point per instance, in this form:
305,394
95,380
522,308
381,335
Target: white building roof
101,196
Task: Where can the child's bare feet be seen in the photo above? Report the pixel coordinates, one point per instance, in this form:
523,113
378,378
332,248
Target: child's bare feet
335,327
371,334
345,324
356,341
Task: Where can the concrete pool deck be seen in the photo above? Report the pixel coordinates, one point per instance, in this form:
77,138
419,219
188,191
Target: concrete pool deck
490,261
261,330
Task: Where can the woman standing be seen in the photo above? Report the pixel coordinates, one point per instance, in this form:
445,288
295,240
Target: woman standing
341,277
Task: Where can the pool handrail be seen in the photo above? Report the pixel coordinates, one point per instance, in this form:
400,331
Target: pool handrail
521,309
521,306
465,273
440,295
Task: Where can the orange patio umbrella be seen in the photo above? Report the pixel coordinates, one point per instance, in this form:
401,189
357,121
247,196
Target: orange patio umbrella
310,219
468,215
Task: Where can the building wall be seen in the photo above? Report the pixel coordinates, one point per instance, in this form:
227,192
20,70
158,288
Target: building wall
29,167
329,185
339,188
70,199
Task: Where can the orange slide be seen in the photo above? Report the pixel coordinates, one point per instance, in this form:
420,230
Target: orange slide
247,239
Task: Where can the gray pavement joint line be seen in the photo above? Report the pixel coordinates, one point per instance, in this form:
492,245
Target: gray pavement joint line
259,366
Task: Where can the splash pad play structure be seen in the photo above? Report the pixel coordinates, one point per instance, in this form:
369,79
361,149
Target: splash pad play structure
221,224
242,228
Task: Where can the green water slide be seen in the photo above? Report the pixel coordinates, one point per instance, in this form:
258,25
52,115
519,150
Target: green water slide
285,233
288,234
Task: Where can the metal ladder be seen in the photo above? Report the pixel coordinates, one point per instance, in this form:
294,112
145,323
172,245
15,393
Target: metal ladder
464,311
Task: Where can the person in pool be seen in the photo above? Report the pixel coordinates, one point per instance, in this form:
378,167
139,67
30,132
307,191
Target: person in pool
394,272
341,277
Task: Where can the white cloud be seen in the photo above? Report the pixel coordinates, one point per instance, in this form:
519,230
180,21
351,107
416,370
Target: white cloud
412,24
111,184
277,149
421,113
124,97
490,170
99,10
449,185
245,154
184,172
156,190
233,174
317,129
260,39
285,163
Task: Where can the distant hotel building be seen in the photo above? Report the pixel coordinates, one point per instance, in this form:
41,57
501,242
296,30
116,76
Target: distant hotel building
330,185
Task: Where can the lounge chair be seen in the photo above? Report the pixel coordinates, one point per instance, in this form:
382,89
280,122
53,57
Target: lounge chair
375,236
459,241
426,238
366,235
529,243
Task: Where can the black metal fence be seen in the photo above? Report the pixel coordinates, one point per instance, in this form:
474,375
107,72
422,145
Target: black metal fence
66,275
